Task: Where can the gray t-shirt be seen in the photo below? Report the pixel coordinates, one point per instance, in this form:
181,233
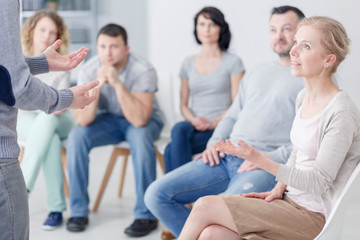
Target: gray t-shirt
138,76
210,94
263,111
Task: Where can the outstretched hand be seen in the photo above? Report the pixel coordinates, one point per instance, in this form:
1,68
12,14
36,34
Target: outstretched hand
58,62
245,151
82,97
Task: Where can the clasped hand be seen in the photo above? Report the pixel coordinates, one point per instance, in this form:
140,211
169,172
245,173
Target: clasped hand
107,74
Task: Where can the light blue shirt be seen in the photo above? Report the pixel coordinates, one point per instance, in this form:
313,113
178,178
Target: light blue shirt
263,111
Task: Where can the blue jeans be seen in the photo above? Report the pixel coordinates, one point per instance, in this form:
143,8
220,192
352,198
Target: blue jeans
109,129
167,196
185,142
14,210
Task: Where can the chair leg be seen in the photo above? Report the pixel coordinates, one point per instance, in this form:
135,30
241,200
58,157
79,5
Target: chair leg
160,159
122,175
64,166
114,155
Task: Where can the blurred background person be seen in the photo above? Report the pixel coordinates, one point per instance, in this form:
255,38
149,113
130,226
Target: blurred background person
43,133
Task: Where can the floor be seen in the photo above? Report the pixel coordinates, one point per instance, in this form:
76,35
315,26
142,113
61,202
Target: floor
115,213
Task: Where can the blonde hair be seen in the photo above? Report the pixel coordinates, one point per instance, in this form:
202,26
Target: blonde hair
333,37
27,32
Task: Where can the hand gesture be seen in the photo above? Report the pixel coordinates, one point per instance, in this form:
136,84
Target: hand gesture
82,97
276,193
245,151
210,156
63,63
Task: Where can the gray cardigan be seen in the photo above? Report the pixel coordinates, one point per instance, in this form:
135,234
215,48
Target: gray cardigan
19,89
338,153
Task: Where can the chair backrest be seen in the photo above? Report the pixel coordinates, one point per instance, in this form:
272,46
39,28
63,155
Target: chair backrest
334,224
165,98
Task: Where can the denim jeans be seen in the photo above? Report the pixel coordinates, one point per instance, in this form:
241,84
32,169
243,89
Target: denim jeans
14,210
185,142
109,129
167,196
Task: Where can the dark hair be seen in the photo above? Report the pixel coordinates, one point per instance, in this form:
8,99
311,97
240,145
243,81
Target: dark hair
287,8
114,30
218,18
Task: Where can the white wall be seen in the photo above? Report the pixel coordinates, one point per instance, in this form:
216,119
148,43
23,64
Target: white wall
132,15
170,32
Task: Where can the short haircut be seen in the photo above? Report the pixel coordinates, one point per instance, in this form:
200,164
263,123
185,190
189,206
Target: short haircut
287,8
113,30
218,18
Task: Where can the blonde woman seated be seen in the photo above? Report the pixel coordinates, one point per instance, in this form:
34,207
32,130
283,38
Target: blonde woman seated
326,141
43,133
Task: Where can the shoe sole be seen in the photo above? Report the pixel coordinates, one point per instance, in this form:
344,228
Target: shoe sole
75,229
50,228
140,234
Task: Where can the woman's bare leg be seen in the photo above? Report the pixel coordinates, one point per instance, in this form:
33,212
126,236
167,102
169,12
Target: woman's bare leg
216,232
210,210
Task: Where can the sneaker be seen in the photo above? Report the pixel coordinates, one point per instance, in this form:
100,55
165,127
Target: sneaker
53,221
140,227
77,224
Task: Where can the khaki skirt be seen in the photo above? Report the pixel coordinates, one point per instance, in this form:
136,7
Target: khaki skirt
281,219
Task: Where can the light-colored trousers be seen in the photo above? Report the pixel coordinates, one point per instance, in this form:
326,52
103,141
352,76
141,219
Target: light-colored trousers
43,134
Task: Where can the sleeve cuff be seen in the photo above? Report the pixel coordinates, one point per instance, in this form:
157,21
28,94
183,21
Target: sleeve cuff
66,98
38,64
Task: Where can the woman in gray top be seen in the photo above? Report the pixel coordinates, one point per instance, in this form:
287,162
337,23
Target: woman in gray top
209,83
326,143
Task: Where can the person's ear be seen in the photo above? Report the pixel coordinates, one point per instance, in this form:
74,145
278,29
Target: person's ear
330,60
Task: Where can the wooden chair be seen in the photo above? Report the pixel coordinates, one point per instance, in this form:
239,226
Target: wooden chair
165,99
120,150
63,161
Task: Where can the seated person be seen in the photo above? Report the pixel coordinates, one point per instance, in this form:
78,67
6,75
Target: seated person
43,132
125,110
261,113
326,143
206,77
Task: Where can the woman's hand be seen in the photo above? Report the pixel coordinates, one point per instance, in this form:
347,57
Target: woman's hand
244,151
276,193
201,124
63,63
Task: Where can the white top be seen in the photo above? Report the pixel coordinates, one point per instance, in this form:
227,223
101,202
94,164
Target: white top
304,136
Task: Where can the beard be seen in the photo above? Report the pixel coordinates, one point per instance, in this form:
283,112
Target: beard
284,54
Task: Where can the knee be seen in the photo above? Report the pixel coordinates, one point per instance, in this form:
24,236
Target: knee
209,233
153,195
179,129
76,135
203,204
139,135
